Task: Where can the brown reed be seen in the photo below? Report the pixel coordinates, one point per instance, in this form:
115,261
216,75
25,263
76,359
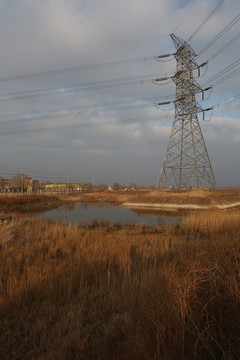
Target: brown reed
67,292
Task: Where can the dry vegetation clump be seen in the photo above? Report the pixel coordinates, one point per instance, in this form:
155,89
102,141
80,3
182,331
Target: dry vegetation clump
212,224
115,197
67,292
23,202
206,197
200,193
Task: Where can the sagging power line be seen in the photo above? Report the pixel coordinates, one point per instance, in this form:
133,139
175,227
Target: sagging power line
96,85
99,44
85,125
78,68
206,20
219,35
213,80
230,42
90,106
22,119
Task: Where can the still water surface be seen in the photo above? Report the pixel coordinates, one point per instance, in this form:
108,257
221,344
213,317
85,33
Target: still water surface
87,212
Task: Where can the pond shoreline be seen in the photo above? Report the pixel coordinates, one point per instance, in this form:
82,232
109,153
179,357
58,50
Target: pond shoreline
179,207
90,213
166,200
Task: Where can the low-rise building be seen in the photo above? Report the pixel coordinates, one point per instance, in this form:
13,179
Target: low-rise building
19,184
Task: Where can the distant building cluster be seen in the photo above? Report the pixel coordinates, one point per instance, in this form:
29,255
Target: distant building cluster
68,187
23,184
83,187
72,187
19,184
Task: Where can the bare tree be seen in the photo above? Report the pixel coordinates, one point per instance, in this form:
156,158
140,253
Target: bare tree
116,186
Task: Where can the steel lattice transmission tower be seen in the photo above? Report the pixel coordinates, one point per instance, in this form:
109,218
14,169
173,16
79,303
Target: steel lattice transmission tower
186,160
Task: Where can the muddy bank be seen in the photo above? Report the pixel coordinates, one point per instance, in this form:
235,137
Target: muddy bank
21,203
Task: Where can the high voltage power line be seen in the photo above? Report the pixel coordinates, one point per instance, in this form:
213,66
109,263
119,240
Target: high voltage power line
44,176
79,68
90,112
83,46
111,63
29,117
118,62
206,20
236,97
183,18
220,34
94,106
96,85
91,109
99,84
58,115
85,125
137,80
230,42
11,171
106,83
223,72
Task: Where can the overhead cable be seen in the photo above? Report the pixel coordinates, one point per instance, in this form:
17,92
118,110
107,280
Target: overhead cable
61,178
96,85
183,18
85,125
227,77
75,113
78,110
93,106
77,68
207,18
223,103
33,172
224,47
221,72
226,101
82,46
220,34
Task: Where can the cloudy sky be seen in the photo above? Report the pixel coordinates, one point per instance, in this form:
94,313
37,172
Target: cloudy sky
73,105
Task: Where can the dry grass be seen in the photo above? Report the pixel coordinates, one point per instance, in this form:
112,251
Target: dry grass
194,196
21,202
138,293
213,223
201,193
118,197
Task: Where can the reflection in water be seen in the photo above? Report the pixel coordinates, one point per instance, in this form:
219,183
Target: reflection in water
87,212
162,217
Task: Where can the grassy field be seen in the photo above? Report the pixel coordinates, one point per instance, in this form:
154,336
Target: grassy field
68,292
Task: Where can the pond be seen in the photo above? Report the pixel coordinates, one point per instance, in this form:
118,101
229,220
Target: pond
87,212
